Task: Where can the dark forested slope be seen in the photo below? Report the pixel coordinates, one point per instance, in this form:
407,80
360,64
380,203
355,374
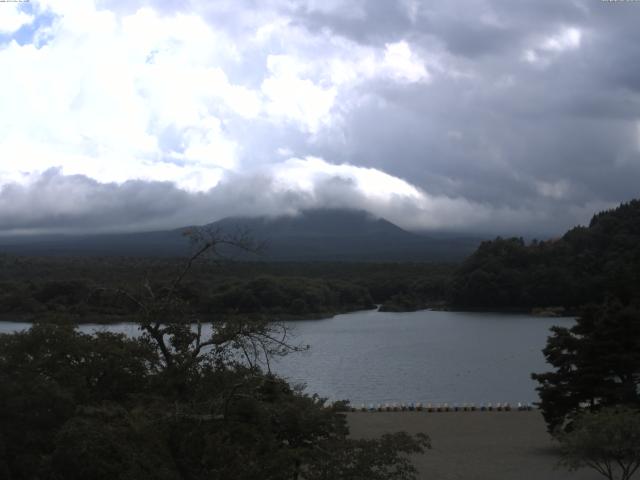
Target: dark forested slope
312,235
86,288
585,265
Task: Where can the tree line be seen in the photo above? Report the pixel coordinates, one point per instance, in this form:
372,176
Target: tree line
88,289
585,265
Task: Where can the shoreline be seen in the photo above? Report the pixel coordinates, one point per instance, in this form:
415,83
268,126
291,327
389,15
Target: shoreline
72,318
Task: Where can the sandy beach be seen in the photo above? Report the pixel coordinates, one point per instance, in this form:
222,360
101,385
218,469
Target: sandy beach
475,445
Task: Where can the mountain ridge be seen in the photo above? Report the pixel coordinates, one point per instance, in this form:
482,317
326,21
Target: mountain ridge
310,235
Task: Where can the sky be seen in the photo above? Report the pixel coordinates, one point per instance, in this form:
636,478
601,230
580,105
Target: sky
504,117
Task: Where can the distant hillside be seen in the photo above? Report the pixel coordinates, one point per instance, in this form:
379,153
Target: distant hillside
346,235
313,235
586,265
145,244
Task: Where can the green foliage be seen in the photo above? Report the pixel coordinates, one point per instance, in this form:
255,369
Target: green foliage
89,289
275,296
404,302
585,265
363,459
108,442
597,363
47,372
607,441
76,406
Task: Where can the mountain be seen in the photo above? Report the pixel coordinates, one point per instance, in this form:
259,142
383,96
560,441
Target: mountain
346,235
312,235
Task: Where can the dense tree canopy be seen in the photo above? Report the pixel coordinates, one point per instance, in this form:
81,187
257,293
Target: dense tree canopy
75,406
586,265
607,441
597,363
86,289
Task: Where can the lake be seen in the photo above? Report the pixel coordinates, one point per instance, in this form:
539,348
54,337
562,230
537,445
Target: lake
426,356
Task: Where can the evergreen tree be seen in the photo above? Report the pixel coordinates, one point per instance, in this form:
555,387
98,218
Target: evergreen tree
597,363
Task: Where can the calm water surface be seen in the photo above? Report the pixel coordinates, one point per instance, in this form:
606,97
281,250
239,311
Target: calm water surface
422,356
426,356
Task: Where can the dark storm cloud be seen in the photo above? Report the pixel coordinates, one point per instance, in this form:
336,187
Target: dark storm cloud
469,28
513,132
54,202
369,22
471,39
529,121
58,203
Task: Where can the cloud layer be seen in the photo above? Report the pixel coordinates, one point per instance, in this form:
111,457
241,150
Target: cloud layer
495,116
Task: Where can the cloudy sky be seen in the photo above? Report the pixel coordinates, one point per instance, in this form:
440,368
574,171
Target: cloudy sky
498,116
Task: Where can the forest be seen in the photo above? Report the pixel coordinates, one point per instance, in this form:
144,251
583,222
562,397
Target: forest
586,265
90,289
108,407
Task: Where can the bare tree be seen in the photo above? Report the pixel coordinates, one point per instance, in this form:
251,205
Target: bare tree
180,333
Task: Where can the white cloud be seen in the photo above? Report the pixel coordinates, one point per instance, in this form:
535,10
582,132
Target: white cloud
566,39
292,97
147,95
318,183
98,98
205,145
306,174
305,90
548,48
557,190
12,18
403,64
